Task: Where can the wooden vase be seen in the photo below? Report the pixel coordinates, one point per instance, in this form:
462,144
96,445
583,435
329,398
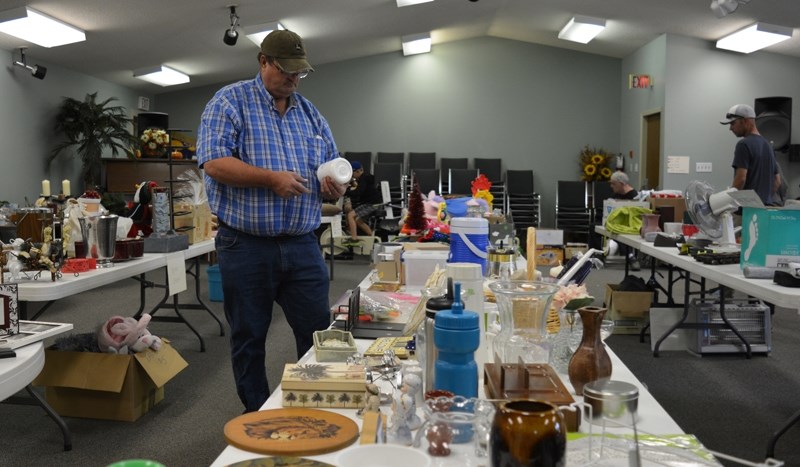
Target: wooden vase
590,362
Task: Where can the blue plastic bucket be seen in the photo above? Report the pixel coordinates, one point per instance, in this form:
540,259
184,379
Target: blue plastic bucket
214,284
469,240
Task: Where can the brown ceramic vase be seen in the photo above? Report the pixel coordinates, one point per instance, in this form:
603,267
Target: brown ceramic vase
590,361
528,433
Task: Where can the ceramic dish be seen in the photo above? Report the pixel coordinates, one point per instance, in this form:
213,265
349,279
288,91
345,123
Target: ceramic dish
382,455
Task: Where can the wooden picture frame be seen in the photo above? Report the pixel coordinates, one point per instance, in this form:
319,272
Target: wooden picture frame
9,314
32,331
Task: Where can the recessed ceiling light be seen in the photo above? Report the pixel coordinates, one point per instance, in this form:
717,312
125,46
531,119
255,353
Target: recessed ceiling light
161,75
33,26
582,29
402,3
416,43
755,37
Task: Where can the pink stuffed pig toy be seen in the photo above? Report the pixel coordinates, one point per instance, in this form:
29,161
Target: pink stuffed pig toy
126,335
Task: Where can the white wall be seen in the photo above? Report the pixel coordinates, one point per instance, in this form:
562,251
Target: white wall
702,83
26,125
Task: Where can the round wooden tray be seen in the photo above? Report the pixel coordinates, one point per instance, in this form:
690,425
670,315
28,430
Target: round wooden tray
281,461
291,431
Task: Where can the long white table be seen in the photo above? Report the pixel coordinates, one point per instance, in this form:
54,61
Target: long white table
652,418
45,290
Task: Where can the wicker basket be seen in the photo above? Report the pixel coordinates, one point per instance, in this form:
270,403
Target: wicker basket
334,354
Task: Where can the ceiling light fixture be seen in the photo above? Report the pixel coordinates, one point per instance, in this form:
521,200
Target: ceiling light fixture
582,29
161,75
755,37
33,26
402,3
37,71
416,44
258,32
723,8
231,35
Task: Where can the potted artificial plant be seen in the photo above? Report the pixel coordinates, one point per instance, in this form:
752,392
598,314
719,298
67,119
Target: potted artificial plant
92,126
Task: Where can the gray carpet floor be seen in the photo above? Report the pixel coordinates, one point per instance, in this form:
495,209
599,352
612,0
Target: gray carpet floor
731,403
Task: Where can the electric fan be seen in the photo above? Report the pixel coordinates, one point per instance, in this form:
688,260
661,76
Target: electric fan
712,212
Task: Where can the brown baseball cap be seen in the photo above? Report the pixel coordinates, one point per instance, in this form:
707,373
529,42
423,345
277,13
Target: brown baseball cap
288,49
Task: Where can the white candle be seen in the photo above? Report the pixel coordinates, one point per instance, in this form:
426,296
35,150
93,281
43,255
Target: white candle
65,188
45,187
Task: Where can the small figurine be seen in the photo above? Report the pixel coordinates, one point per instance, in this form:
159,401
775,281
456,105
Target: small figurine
412,384
399,431
372,398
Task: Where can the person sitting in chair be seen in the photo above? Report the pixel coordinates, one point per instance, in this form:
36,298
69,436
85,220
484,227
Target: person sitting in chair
362,201
621,186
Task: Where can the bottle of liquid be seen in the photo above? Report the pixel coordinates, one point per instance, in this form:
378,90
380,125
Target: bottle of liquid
457,336
426,347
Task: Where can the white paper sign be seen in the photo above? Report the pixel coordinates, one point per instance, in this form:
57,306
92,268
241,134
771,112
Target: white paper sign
678,164
176,273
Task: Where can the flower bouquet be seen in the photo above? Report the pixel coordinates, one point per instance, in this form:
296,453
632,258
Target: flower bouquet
595,164
154,142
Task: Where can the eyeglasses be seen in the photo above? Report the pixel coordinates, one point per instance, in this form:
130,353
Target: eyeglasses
300,74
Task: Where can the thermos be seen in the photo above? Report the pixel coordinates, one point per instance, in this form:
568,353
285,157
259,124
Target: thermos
426,347
457,336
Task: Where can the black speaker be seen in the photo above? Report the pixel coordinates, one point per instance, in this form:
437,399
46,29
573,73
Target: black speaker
774,120
147,120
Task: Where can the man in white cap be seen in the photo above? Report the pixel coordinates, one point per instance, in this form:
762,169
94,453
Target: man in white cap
754,163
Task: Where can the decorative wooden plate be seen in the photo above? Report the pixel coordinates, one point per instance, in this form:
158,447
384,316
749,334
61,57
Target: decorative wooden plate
281,461
291,431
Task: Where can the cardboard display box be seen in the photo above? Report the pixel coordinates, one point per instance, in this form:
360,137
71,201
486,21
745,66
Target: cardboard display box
678,205
549,256
553,237
571,249
107,386
197,216
770,237
629,310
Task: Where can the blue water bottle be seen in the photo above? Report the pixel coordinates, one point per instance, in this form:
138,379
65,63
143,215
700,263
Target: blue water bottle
457,336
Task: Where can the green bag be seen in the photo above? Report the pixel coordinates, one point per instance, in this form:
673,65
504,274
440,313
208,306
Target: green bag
626,220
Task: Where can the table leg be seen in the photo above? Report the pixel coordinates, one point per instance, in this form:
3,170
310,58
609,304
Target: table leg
38,400
789,423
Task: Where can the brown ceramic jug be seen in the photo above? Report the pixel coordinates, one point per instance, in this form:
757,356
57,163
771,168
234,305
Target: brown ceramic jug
528,433
590,362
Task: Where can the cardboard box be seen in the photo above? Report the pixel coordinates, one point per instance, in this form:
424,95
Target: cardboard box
324,385
770,237
611,204
197,216
571,249
549,255
628,310
389,271
553,237
107,386
678,205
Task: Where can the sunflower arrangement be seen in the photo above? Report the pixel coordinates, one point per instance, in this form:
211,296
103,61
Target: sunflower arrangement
595,164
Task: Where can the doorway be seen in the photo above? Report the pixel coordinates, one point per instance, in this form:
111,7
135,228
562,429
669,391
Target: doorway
650,175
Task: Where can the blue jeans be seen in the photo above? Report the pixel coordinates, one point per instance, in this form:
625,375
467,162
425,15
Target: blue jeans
255,273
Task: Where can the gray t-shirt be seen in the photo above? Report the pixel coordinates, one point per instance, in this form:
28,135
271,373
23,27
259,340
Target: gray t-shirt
754,153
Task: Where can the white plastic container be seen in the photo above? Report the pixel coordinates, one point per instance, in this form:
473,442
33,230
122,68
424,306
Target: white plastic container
338,169
419,264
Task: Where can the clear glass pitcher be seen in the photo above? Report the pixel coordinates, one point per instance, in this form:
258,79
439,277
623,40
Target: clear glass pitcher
523,307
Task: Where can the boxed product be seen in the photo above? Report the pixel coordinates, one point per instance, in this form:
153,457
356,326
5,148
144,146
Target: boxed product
549,237
108,386
549,255
323,385
629,310
677,204
770,236
572,249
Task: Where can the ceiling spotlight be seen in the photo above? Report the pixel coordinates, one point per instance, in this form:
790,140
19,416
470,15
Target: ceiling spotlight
37,71
231,35
722,8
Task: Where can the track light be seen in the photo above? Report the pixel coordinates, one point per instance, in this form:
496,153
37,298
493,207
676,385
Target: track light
722,8
38,71
231,35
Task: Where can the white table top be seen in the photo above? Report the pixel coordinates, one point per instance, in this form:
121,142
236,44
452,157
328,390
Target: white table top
729,275
652,418
44,289
18,372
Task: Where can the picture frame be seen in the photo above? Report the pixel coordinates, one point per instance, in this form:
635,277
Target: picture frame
32,331
9,313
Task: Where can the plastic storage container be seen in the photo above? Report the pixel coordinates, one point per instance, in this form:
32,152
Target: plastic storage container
214,284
